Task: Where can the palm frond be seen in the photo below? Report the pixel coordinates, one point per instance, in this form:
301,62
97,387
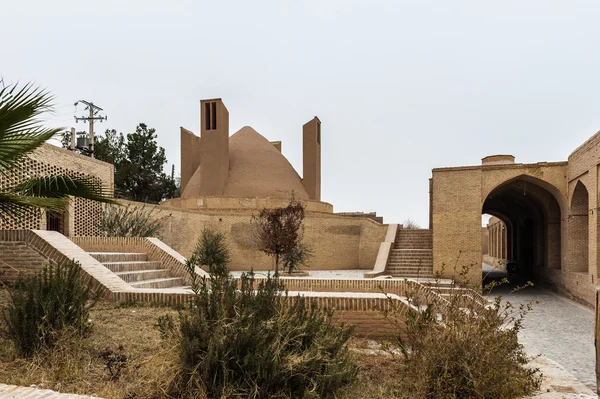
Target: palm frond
20,130
15,207
61,186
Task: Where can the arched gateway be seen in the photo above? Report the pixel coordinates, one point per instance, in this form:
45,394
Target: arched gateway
532,217
547,210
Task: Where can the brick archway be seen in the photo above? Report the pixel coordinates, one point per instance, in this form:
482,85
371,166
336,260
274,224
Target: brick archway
534,241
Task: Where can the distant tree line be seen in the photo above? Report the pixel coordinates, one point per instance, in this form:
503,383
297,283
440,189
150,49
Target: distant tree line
138,162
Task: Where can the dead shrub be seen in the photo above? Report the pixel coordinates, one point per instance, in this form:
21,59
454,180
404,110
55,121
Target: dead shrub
464,351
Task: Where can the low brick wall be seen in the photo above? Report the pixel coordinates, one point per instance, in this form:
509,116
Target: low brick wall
18,260
365,311
402,288
362,303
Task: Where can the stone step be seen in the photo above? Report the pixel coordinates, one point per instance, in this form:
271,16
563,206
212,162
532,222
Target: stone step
415,262
103,257
401,250
143,275
408,268
170,282
410,265
411,255
414,270
413,245
411,275
118,267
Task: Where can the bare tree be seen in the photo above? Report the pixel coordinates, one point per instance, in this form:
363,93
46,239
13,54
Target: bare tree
277,231
410,224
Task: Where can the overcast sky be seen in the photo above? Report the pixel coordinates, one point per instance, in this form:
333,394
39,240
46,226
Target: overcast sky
401,87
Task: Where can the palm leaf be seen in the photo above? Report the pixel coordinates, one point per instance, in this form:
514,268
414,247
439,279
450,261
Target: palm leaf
16,207
20,130
60,186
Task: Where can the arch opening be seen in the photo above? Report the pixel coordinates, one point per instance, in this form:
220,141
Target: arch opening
579,229
525,235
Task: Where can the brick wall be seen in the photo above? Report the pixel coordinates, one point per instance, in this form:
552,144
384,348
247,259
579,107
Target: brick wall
338,242
18,260
582,175
572,261
82,216
456,214
457,203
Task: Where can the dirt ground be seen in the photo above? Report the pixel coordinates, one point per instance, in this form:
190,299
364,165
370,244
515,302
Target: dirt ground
76,366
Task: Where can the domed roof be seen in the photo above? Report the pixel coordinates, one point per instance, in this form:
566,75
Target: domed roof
258,169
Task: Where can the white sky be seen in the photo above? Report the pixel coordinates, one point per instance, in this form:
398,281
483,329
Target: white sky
400,86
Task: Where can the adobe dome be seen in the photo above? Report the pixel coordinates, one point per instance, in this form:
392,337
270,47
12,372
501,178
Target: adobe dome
256,169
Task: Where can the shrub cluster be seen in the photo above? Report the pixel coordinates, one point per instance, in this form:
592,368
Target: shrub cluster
46,303
473,352
255,343
210,250
128,221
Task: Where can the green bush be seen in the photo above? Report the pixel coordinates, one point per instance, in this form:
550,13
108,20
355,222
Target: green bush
255,343
472,352
299,256
211,250
128,221
44,304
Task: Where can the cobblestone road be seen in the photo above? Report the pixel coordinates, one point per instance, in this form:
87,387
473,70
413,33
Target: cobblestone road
559,328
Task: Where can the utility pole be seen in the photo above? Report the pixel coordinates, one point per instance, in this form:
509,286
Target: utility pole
93,116
73,140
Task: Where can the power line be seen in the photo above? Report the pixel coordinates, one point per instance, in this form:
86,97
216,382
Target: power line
93,116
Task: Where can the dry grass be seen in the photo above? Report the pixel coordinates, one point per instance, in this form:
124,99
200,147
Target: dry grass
75,365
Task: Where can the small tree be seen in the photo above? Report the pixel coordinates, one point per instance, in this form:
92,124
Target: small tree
211,250
277,231
299,256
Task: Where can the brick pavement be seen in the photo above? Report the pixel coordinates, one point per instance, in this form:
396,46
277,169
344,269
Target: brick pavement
15,392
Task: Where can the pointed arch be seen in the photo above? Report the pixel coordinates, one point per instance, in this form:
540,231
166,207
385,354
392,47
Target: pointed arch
533,211
578,229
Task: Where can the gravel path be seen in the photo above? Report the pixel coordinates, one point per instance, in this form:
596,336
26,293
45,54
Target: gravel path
559,328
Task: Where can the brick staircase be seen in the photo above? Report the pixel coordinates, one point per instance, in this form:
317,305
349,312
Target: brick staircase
136,270
412,254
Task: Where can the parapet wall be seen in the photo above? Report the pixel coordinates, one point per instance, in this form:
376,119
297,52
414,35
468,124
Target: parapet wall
241,204
338,242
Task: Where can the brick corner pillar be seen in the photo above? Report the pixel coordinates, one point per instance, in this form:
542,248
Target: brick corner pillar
596,336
